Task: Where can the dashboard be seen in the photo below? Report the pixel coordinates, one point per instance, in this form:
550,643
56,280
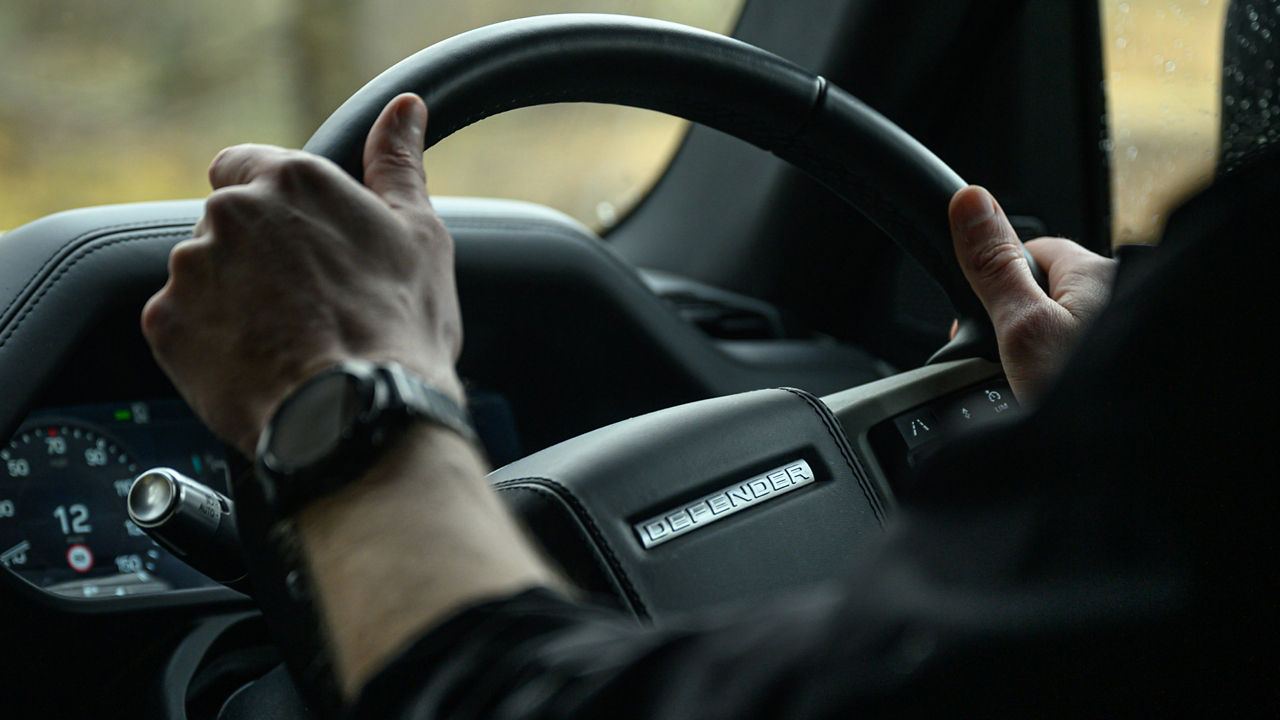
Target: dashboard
564,337
534,285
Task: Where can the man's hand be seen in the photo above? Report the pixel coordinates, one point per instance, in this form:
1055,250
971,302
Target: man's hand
295,266
1035,330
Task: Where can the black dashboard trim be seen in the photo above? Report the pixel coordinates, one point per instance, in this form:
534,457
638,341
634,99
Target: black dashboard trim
84,274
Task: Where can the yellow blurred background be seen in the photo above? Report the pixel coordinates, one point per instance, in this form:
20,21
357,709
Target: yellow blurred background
105,102
1162,63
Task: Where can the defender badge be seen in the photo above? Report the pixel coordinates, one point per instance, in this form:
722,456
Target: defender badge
720,505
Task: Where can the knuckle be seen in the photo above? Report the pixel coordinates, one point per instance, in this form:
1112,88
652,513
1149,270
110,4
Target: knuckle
400,156
218,167
296,166
186,258
156,319
230,209
994,261
222,208
300,172
400,161
215,166
233,165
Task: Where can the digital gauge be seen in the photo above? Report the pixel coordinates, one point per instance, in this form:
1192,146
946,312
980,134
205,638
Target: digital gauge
63,523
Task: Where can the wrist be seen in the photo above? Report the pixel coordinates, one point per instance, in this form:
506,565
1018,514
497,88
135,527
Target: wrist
427,531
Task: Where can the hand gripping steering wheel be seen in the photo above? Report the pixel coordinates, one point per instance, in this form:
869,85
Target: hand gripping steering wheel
720,82
604,504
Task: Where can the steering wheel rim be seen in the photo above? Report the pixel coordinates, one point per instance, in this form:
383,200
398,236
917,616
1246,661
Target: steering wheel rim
726,84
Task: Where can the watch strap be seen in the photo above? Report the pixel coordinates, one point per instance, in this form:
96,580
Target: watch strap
423,402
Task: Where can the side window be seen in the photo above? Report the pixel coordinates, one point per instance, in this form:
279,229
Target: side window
594,162
107,102
1162,68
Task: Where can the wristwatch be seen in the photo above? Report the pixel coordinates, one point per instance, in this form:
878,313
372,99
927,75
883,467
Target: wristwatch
330,430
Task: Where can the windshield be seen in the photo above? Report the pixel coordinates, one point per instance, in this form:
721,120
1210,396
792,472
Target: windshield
121,101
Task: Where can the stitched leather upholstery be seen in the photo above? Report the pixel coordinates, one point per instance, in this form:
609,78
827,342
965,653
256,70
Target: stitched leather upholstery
583,497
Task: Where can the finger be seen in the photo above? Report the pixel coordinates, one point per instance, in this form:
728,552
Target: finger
990,254
1059,255
1072,269
240,164
189,259
393,153
227,212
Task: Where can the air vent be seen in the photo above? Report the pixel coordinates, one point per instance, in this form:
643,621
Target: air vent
720,313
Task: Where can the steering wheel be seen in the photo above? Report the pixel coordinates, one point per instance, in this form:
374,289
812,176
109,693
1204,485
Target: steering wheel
606,503
613,506
726,84
799,493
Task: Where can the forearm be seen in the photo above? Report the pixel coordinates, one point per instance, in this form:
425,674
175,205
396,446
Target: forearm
417,538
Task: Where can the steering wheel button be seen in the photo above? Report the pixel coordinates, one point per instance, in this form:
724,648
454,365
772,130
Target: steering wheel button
918,428
985,403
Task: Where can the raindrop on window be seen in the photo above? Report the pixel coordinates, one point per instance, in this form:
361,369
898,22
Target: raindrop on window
606,213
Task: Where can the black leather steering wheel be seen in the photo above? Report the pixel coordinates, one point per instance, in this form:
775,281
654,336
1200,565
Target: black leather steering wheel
726,84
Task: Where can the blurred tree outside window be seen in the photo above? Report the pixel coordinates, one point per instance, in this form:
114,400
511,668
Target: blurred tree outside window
1162,65
106,101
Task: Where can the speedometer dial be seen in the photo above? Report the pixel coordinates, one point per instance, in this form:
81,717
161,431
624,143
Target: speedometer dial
63,525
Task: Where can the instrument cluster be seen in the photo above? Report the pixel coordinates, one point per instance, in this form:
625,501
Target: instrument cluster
64,477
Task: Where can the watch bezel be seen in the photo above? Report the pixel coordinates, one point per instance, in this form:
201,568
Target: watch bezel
386,396
364,391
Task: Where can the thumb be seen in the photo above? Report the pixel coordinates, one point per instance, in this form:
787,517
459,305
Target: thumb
393,153
991,255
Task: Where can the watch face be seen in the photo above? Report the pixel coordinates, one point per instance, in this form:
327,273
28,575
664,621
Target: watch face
313,420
